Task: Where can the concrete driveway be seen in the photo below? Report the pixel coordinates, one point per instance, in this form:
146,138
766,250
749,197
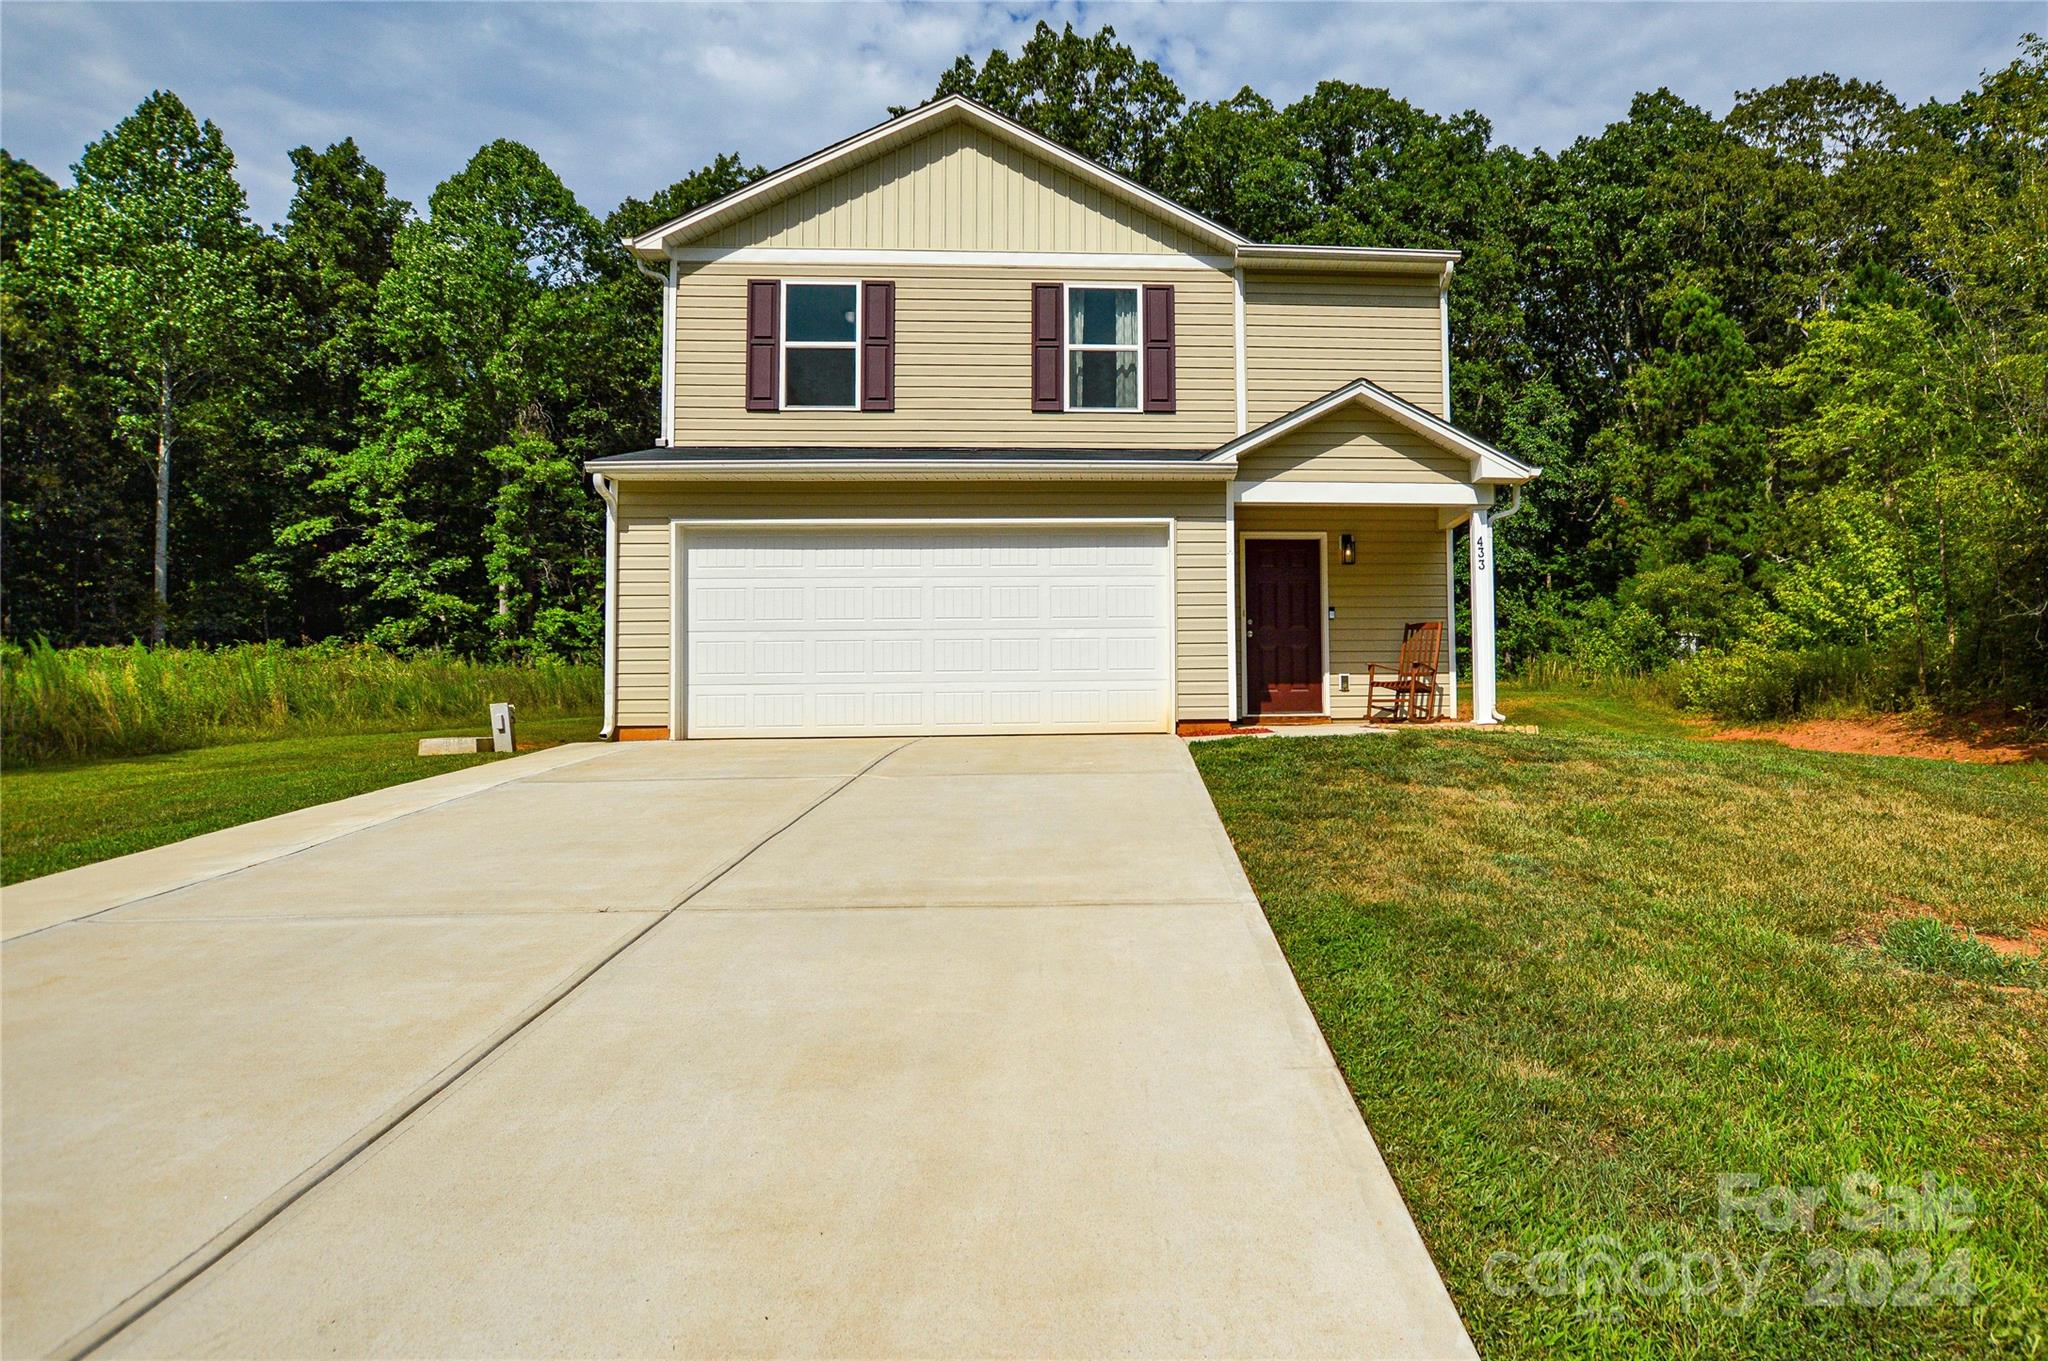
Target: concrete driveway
853,1048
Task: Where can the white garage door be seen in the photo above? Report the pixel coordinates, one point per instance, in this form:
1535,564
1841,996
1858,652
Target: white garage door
796,632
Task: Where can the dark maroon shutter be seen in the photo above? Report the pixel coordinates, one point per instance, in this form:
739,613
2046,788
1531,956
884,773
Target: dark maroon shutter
1047,326
1159,347
764,328
878,346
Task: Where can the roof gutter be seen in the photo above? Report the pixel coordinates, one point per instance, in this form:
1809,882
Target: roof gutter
1371,259
811,470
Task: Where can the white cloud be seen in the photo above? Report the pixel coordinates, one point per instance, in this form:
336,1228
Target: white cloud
624,98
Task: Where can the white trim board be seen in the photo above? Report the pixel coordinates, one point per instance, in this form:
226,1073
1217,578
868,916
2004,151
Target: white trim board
1237,341
1231,627
1043,260
1243,683
1276,493
678,586
1451,616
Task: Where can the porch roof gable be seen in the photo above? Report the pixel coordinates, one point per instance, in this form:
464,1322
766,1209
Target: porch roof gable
1489,464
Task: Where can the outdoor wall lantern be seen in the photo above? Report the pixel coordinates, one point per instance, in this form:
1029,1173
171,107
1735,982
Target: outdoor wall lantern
1347,550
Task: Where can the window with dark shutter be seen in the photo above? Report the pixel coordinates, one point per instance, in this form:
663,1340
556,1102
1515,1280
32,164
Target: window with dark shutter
764,322
1159,347
1046,334
878,346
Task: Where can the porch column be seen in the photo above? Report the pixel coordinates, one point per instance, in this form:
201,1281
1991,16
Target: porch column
1481,539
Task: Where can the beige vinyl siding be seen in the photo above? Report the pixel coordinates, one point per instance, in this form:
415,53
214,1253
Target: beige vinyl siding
957,188
963,363
1398,579
1309,334
645,596
1354,444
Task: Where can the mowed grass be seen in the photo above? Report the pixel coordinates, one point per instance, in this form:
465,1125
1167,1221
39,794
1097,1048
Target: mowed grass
58,815
1574,977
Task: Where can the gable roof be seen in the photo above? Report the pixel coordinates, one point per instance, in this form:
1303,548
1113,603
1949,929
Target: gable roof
918,122
1488,463
822,165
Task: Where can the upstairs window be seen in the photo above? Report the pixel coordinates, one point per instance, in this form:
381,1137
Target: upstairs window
1102,348
820,346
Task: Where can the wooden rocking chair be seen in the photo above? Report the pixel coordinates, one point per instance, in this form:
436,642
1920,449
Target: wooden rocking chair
1412,681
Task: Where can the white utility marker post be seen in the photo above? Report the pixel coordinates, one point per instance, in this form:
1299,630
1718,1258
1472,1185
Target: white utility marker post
1480,533
501,728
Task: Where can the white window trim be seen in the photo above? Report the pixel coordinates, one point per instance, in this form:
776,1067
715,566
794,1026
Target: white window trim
1068,346
783,344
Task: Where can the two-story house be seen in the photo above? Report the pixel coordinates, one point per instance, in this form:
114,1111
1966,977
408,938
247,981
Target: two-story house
963,433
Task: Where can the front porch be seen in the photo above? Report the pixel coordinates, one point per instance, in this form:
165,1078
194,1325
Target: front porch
1342,526
1356,575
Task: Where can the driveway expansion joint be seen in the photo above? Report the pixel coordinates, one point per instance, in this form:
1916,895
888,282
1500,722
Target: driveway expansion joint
294,848
1129,1117
196,1263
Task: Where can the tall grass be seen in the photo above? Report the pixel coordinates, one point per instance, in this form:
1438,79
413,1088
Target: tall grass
1748,682
1752,681
1557,671
103,701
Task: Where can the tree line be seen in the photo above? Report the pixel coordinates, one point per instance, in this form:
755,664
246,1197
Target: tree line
1786,370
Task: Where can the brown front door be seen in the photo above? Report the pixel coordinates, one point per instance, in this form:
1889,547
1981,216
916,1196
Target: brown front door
1283,606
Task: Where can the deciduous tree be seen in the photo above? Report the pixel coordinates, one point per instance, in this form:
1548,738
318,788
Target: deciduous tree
152,255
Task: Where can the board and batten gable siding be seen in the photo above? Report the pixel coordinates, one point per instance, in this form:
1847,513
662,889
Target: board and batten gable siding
963,346
1353,444
1399,578
958,188
646,589
1309,334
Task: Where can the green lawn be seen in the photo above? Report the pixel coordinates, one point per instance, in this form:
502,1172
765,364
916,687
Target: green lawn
1573,977
54,816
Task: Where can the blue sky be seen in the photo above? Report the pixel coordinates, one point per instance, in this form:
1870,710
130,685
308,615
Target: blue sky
624,98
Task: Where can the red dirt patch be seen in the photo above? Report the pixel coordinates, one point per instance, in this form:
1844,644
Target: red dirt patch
1898,735
2032,940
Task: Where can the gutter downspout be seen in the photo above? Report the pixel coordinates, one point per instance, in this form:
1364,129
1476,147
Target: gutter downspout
609,490
1443,307
666,401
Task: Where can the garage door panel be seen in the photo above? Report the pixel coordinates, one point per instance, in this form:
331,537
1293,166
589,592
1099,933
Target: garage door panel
907,630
